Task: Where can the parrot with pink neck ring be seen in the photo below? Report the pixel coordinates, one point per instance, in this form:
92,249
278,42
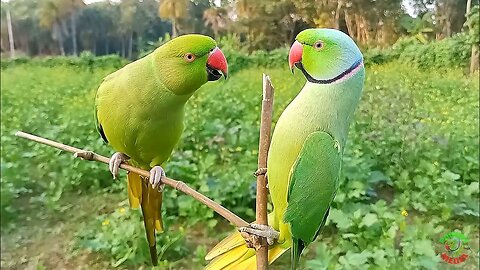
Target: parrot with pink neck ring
305,155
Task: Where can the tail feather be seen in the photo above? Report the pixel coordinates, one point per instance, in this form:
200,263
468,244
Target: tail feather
235,256
297,248
134,189
232,241
153,255
232,254
248,263
141,193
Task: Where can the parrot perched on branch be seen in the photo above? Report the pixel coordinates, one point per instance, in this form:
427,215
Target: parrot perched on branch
305,156
139,111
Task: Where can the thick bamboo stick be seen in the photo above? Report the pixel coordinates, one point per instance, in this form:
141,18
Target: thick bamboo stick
264,144
178,185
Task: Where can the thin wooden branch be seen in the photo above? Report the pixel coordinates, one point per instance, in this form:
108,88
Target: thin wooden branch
263,145
178,185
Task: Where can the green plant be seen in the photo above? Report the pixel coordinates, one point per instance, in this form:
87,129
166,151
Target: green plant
413,146
443,54
473,25
121,235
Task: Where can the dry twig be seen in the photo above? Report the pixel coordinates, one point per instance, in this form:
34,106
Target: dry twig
261,244
264,144
178,185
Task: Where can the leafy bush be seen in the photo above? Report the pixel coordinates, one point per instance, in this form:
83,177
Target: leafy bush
85,60
239,60
413,146
473,25
442,54
56,102
121,235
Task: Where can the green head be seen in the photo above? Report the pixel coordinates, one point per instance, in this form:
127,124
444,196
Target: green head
187,62
325,55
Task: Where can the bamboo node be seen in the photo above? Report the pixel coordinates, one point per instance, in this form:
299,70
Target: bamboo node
179,184
260,171
85,155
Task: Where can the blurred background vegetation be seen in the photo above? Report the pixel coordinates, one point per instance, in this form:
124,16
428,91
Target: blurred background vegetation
130,27
413,146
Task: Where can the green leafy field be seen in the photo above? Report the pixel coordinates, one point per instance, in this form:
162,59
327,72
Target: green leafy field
413,146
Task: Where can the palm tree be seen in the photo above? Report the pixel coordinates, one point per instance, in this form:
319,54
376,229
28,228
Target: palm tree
216,18
173,10
50,18
72,8
244,7
126,23
53,14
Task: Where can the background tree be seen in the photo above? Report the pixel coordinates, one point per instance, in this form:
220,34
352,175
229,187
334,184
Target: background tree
11,42
51,18
173,10
71,8
216,18
473,24
95,23
131,27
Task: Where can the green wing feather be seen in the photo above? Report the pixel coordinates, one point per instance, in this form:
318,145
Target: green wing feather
98,125
312,187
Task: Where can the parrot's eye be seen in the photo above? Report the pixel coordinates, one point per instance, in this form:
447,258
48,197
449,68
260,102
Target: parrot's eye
189,57
318,45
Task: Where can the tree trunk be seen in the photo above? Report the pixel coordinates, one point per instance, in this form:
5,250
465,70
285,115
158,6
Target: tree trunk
138,46
337,14
106,46
359,28
27,48
474,55
123,47
74,33
10,34
174,28
474,59
59,34
130,46
350,25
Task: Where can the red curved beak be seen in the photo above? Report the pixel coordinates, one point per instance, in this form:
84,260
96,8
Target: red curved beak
295,54
216,60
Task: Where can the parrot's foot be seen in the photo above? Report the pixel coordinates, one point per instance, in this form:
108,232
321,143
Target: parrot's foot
115,161
260,171
156,174
259,230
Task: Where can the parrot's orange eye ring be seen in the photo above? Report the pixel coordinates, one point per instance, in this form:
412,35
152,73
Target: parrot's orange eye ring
189,57
318,45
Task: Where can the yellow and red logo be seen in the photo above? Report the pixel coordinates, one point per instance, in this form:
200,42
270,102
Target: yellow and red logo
455,244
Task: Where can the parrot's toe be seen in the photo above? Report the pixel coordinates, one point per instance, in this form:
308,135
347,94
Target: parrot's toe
263,231
115,161
156,174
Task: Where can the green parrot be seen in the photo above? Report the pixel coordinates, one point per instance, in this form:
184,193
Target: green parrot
139,111
307,146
